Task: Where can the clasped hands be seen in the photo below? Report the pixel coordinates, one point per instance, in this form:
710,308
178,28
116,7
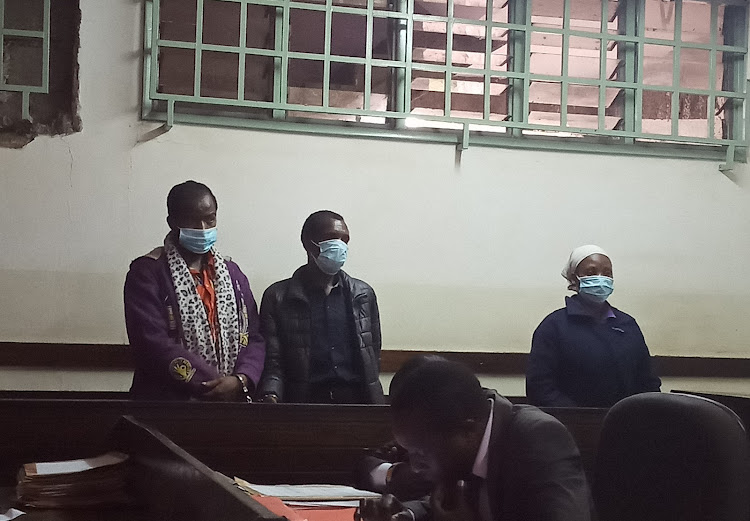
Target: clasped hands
223,389
447,503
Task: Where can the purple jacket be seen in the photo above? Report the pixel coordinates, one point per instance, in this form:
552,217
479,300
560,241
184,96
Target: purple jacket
152,318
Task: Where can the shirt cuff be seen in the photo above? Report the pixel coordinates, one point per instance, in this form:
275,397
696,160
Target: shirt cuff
379,475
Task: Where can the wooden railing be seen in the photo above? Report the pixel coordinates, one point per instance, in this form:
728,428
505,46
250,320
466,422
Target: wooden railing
118,356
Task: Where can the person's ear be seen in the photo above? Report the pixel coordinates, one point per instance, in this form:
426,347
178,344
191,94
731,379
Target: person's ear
311,248
171,223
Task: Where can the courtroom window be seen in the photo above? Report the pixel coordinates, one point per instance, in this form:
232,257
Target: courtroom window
632,73
38,69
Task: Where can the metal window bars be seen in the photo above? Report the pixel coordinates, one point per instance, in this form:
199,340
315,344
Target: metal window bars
24,48
503,74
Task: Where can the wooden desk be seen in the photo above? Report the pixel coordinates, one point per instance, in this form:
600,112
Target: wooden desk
64,395
263,443
173,485
166,483
8,498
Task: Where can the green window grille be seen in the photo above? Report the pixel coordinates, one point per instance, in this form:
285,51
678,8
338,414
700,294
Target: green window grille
637,76
24,48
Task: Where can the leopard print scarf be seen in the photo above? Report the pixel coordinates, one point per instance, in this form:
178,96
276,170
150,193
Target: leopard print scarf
196,330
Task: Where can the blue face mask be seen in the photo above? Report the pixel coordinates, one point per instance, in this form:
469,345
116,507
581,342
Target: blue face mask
596,287
332,256
197,241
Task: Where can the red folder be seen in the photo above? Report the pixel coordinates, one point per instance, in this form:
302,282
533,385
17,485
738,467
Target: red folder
278,507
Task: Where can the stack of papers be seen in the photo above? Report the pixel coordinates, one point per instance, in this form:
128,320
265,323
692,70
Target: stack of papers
308,502
78,483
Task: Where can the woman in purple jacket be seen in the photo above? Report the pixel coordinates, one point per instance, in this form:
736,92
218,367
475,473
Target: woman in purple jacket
191,318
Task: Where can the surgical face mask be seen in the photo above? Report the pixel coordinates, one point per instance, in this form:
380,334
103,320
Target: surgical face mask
596,287
332,256
197,241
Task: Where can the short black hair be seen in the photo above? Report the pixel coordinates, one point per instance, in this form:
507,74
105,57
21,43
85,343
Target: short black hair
408,367
441,393
315,222
183,194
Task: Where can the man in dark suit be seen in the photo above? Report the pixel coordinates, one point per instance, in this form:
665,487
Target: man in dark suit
489,460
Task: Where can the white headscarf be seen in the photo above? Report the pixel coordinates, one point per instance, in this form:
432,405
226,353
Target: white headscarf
576,256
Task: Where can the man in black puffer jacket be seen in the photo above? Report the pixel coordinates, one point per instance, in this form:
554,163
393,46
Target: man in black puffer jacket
321,326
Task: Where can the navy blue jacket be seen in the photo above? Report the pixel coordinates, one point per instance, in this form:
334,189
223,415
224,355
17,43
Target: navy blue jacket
577,360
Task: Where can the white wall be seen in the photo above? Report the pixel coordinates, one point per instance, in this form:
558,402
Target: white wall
462,258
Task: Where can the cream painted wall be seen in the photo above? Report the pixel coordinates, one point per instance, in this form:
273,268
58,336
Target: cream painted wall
464,258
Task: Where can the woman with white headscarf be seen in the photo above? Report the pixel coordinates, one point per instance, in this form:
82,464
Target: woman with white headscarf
588,354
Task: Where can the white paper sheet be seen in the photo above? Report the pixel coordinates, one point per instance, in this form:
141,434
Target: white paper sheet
80,465
307,492
11,514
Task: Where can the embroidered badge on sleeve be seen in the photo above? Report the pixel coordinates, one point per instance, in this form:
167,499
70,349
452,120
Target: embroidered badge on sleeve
181,369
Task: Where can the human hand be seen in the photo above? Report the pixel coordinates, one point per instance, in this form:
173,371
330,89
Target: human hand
386,508
451,503
390,452
407,484
224,389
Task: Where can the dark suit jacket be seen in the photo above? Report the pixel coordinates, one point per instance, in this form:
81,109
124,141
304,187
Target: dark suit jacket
534,471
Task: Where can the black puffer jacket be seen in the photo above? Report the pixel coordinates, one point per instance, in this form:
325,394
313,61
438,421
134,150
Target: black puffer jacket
286,325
